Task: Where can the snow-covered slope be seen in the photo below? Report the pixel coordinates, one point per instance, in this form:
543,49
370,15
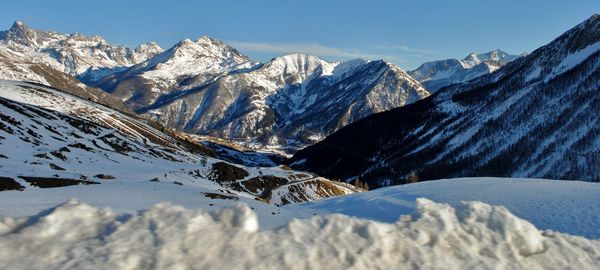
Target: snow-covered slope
437,74
472,236
284,104
19,67
74,54
50,139
534,117
566,206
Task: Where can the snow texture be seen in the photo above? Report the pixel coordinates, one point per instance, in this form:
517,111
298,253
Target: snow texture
474,235
567,206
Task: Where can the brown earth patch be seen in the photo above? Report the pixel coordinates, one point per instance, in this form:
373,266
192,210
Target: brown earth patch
225,172
10,184
104,176
47,182
220,196
56,167
264,183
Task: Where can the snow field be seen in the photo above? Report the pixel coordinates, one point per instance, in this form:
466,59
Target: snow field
474,235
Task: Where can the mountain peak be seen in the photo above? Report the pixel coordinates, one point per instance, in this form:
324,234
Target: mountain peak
207,39
205,45
304,63
496,55
297,56
148,47
19,33
18,24
202,41
205,55
297,65
184,42
437,74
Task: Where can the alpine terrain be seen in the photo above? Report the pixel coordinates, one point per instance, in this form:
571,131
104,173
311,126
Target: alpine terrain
56,60
57,144
437,74
199,157
208,88
534,117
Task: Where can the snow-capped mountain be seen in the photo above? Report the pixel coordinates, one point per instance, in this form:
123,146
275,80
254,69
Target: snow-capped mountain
288,102
51,139
74,54
535,117
437,74
206,87
19,67
186,65
284,104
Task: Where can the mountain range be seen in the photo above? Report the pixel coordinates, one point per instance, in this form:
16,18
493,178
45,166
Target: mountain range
437,74
208,88
534,117
74,54
391,125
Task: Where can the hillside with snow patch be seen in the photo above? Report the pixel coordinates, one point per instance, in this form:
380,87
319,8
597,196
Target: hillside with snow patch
51,140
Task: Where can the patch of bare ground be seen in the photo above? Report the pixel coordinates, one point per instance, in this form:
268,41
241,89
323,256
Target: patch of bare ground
104,176
7,183
47,182
223,172
263,184
219,196
323,189
56,167
82,147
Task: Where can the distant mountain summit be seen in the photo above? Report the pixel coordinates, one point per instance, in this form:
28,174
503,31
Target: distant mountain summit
74,54
185,65
535,117
437,74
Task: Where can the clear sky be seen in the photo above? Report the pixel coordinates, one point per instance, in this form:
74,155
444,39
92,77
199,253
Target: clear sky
407,33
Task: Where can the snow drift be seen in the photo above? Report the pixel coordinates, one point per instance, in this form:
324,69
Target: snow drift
475,235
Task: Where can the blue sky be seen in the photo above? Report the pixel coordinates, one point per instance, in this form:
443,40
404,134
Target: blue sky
407,33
